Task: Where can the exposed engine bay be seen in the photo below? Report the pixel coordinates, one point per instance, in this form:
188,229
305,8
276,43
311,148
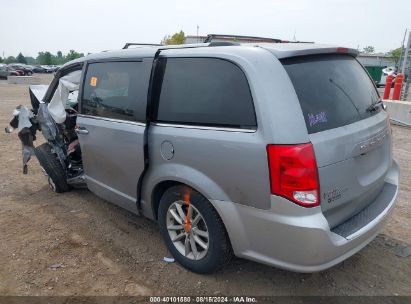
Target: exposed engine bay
57,122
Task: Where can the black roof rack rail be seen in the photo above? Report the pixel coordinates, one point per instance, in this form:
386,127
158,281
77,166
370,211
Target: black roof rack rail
195,46
291,41
237,38
140,44
222,43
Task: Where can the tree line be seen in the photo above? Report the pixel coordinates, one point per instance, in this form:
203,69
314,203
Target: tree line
43,58
176,38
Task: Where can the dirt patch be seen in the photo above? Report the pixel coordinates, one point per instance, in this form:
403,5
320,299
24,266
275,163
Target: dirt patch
78,244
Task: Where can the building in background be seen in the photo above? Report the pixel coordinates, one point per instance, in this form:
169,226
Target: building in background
378,60
375,63
195,39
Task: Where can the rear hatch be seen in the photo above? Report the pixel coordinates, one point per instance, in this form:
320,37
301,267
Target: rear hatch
351,138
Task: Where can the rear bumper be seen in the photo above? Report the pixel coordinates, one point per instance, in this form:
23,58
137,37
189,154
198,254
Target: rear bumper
299,239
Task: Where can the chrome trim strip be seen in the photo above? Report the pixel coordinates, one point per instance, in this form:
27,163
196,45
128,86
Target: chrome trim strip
203,127
106,187
141,124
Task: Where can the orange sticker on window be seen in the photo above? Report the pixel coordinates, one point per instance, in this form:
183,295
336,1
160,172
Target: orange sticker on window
93,81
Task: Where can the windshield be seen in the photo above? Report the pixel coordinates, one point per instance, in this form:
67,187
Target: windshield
333,90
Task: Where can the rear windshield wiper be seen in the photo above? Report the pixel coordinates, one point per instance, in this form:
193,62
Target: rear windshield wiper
374,107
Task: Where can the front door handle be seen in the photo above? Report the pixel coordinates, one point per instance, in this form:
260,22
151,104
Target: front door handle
81,130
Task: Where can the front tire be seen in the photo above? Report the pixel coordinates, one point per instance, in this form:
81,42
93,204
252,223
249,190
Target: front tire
193,231
56,174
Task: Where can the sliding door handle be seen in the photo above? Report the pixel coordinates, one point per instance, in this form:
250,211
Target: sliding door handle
81,130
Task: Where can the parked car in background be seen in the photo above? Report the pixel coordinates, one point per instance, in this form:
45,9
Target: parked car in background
21,72
54,68
39,69
45,68
6,71
28,70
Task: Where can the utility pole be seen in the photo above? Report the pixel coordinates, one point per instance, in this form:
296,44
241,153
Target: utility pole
198,38
407,50
402,49
405,67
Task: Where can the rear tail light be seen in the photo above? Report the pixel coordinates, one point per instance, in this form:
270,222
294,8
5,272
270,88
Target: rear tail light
294,173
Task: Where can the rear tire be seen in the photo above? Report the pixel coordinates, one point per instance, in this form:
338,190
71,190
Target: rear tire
29,73
55,171
200,260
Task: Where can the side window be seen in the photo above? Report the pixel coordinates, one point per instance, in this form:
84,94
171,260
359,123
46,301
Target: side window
116,90
207,92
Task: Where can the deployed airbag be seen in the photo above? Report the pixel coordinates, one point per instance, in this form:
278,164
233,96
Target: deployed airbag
57,105
37,93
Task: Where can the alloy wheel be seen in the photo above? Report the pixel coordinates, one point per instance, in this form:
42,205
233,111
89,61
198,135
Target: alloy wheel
187,230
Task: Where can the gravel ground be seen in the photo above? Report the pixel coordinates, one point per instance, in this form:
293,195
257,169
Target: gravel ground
78,244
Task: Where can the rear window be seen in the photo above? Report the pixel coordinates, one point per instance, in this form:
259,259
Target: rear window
207,92
333,90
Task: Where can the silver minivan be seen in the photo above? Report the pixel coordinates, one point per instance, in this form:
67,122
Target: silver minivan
278,153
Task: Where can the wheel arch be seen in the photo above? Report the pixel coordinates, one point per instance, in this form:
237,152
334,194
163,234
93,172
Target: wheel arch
163,186
167,175
158,192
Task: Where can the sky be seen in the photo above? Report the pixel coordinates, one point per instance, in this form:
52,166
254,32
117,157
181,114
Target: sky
89,26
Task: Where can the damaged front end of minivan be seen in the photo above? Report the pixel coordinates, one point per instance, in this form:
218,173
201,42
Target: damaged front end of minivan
53,113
